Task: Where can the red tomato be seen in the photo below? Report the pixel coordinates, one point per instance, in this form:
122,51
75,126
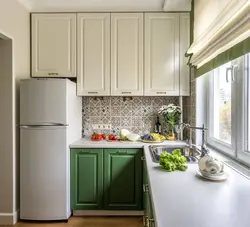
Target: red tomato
104,136
111,136
93,137
98,137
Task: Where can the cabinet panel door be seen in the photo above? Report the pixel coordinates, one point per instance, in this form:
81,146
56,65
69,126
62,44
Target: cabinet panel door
145,194
54,45
86,179
122,179
127,54
161,54
93,51
184,45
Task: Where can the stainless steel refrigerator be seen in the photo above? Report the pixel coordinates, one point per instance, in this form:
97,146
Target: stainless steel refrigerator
50,119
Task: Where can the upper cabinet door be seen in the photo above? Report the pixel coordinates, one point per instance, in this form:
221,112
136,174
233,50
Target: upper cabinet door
184,45
127,54
54,45
161,54
93,52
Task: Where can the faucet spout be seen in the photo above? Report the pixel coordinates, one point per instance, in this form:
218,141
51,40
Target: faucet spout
204,150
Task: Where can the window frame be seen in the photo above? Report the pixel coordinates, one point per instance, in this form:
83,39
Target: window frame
240,122
212,141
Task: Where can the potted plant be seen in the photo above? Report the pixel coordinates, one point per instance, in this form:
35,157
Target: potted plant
171,114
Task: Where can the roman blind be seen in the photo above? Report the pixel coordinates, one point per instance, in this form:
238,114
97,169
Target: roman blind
225,39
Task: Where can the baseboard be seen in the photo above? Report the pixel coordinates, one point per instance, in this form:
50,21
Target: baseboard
106,213
9,218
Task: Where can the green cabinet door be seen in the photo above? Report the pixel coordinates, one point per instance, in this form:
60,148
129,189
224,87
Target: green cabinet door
122,179
148,218
145,194
86,179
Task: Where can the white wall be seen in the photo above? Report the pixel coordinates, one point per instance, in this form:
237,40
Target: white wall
14,24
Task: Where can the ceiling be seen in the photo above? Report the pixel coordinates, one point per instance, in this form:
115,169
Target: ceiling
104,5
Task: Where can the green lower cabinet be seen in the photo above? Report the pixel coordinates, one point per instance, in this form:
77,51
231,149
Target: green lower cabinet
122,179
148,218
145,196
86,179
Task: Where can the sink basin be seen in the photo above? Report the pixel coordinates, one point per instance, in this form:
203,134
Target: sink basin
191,154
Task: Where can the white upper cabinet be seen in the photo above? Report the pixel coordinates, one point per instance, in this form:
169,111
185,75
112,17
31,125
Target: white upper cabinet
54,45
162,54
93,53
127,54
184,45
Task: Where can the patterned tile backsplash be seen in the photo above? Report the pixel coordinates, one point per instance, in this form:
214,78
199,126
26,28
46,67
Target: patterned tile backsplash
137,114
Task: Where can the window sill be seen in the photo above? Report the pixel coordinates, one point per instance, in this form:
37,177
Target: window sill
226,157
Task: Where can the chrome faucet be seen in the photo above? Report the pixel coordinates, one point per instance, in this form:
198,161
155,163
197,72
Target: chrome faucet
204,149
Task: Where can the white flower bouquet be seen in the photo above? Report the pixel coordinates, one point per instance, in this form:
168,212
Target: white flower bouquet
172,115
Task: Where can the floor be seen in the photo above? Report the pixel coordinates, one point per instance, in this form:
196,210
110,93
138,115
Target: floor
90,222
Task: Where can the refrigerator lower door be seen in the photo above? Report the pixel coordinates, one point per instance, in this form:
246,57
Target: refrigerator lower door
43,101
44,173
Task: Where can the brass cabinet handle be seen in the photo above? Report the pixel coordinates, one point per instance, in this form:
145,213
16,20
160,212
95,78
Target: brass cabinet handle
93,92
126,92
53,74
161,92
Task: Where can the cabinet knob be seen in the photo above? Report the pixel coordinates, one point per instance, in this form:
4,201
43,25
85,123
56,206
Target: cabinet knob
53,74
143,158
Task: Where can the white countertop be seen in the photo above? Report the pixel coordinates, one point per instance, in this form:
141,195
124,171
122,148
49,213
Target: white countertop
87,143
180,199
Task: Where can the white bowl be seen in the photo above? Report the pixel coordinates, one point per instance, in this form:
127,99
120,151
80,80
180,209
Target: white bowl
207,174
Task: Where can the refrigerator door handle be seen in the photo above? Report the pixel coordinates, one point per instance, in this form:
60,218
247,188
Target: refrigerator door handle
40,126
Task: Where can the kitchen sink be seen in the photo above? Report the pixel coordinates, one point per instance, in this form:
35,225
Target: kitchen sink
191,154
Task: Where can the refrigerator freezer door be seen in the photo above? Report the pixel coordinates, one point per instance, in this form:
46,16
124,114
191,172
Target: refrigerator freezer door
44,183
43,102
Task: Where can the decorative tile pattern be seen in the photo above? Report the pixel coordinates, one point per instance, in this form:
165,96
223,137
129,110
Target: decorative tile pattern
189,110
137,114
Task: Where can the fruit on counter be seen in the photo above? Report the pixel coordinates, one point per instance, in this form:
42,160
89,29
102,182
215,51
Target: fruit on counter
112,137
170,137
98,137
147,137
124,133
173,161
133,137
158,137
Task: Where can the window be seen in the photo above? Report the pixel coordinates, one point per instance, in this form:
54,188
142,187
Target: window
228,110
222,102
